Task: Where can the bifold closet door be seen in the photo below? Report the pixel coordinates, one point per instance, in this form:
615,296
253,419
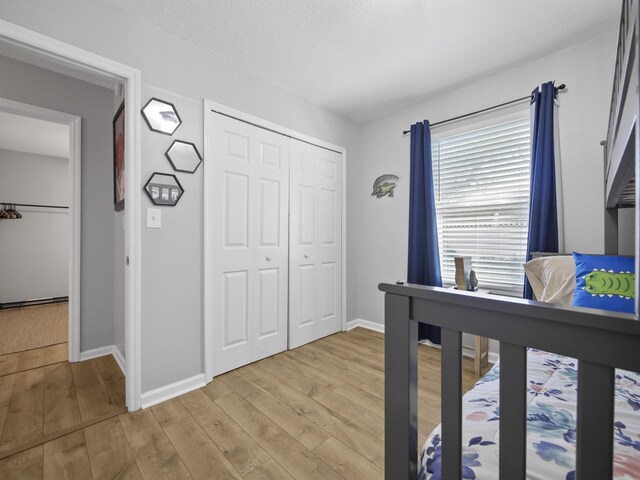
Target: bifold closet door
315,256
250,174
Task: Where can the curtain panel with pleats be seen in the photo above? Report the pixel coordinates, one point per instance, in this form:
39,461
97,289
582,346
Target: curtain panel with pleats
543,208
424,258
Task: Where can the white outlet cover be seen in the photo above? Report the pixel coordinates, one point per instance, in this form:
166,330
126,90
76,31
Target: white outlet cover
154,218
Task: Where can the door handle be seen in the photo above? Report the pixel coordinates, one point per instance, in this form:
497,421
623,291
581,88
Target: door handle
268,259
306,255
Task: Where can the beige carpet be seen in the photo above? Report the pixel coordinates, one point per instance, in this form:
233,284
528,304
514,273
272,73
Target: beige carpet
33,327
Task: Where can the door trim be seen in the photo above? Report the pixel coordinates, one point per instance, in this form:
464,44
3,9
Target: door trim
74,123
209,186
70,55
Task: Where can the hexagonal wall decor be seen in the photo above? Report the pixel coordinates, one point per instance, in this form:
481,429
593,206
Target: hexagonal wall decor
161,116
183,156
163,189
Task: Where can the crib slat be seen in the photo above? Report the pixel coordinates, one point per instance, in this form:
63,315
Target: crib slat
594,458
513,410
400,390
451,403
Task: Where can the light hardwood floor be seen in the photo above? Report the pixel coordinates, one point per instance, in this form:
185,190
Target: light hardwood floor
46,401
312,413
28,359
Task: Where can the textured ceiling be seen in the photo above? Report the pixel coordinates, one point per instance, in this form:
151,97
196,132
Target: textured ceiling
366,58
31,135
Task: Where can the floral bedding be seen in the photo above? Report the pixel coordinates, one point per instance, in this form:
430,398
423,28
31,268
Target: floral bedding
551,423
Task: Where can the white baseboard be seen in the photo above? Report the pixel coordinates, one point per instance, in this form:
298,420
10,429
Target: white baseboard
359,322
378,327
159,395
120,361
103,351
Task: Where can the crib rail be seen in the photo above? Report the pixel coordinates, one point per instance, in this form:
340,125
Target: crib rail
601,341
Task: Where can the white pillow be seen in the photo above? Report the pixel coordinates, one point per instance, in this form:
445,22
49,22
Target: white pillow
553,279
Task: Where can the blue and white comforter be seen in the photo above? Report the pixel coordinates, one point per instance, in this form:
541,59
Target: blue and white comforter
551,424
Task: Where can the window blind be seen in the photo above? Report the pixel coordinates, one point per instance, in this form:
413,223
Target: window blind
482,202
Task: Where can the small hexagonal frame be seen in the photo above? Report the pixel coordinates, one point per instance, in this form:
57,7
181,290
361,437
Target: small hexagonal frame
183,156
163,189
161,116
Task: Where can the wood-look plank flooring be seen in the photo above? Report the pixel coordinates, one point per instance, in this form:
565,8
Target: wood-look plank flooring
28,359
312,413
48,402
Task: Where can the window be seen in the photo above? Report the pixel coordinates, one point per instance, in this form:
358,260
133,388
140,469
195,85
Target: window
481,181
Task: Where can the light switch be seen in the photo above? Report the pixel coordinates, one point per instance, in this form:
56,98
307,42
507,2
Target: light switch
154,218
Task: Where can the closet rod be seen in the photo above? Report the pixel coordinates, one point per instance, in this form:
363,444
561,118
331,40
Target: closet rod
33,303
32,205
528,97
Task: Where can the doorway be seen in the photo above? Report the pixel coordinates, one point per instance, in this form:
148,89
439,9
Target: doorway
59,55
40,294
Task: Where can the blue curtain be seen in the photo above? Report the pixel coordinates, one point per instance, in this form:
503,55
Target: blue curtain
543,214
424,258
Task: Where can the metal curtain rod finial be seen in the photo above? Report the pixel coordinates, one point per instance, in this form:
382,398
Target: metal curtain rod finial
557,89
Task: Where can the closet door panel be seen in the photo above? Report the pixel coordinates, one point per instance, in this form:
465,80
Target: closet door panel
236,309
307,216
232,282
302,246
236,210
329,242
327,293
327,214
250,251
314,289
268,313
237,142
269,226
271,252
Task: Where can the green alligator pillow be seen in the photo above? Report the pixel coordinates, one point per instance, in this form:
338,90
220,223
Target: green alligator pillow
605,282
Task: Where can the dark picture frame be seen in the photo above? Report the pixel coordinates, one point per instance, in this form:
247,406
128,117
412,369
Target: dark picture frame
118,159
165,193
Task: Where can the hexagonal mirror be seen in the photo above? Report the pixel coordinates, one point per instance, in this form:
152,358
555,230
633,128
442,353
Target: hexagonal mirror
183,156
161,116
163,189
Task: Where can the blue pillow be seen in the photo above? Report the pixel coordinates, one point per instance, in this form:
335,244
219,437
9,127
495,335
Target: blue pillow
605,282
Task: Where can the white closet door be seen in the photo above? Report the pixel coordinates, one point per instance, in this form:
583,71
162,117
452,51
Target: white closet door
315,286
250,171
272,243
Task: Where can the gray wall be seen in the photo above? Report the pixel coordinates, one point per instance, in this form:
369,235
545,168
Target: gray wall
173,255
171,335
34,250
380,227
626,231
28,84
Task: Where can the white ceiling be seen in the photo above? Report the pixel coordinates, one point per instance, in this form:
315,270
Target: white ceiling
30,135
366,58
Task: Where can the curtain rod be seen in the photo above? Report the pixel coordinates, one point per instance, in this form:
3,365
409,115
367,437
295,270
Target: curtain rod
528,97
30,205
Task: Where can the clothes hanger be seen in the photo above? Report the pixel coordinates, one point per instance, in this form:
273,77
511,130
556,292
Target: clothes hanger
4,213
17,214
12,213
